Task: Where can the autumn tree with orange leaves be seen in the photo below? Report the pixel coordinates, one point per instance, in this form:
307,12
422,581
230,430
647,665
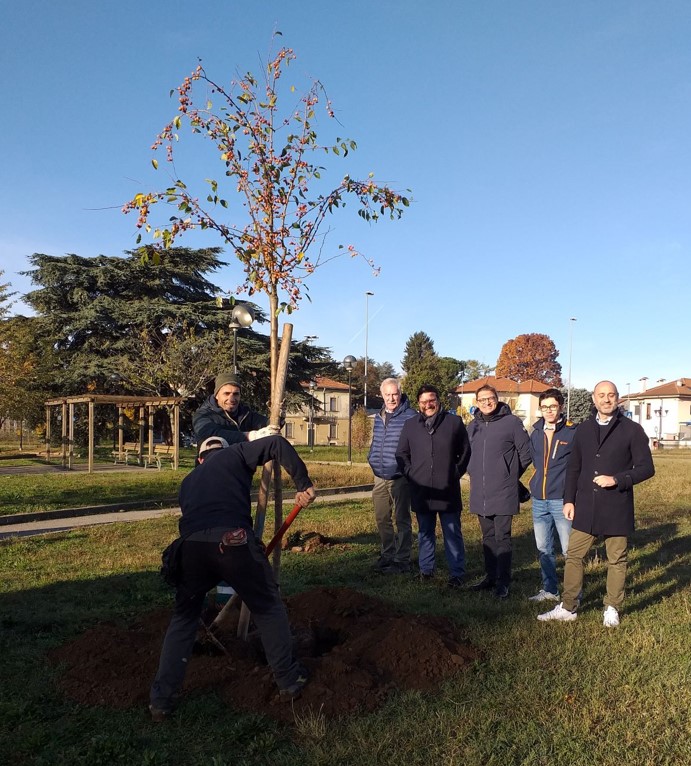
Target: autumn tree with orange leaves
269,203
532,356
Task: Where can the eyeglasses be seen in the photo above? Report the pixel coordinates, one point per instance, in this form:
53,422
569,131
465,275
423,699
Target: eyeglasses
550,407
488,400
425,402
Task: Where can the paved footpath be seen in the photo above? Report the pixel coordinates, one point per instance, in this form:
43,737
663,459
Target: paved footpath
62,521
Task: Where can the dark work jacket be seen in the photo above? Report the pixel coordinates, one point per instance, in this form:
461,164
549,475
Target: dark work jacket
550,470
433,462
217,492
382,452
211,420
501,453
619,449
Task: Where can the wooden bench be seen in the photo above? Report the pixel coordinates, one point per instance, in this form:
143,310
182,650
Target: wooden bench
129,450
161,452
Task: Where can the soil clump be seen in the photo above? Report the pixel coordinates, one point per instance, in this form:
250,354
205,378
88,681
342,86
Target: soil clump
356,648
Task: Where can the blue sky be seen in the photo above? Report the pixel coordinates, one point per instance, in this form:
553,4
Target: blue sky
547,145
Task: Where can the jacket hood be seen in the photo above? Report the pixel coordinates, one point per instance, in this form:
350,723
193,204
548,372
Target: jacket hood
402,407
502,410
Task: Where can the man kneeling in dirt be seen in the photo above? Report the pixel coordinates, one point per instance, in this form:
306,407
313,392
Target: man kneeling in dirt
218,544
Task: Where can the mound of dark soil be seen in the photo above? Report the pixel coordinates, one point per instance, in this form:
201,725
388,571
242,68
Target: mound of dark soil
356,648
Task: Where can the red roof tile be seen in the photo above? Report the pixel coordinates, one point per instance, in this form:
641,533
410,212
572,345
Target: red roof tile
503,386
329,383
678,387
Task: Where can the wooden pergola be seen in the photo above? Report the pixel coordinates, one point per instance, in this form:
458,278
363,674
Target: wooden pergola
145,405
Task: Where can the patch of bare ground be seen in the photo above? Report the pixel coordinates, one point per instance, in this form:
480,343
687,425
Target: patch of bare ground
357,649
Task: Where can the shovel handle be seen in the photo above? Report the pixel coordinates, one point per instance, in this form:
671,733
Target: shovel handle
289,520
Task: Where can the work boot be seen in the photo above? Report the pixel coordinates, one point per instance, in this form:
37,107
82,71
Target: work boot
454,582
484,584
294,691
158,715
383,566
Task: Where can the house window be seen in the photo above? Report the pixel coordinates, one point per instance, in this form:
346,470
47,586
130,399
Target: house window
648,416
333,431
333,404
637,410
289,430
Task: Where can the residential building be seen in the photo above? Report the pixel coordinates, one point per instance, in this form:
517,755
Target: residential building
328,416
663,411
522,397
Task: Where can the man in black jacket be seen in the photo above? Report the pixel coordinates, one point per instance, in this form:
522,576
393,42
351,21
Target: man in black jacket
610,454
501,453
219,545
432,454
224,415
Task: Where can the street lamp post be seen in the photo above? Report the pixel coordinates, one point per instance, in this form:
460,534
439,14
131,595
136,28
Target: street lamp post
568,390
349,364
367,297
241,317
310,425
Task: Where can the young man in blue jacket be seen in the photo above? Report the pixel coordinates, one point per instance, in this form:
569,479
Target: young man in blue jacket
550,447
391,494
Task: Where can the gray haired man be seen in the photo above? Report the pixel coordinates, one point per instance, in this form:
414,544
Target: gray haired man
391,495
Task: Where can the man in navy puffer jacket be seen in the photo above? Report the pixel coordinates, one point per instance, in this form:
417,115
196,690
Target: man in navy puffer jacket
391,494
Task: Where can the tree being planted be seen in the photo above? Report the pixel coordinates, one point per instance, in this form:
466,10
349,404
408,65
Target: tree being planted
271,187
269,171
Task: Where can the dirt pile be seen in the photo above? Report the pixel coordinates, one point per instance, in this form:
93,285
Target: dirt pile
356,648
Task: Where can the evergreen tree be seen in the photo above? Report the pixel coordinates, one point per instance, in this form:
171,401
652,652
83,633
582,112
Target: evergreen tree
422,364
581,403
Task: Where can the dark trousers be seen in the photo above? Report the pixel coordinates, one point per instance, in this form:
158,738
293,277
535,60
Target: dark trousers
248,571
496,547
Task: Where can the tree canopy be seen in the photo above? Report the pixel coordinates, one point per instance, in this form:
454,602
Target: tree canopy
474,370
115,320
532,356
581,403
123,325
269,178
25,369
5,295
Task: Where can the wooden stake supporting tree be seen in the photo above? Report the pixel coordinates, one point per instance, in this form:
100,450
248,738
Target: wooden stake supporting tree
274,420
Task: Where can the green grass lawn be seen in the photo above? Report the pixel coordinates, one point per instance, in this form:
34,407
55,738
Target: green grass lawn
542,695
43,492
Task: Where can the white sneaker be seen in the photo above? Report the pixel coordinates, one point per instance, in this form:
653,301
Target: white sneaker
611,618
558,613
544,595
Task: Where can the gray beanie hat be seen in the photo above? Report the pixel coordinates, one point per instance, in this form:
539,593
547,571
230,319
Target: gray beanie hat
225,379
